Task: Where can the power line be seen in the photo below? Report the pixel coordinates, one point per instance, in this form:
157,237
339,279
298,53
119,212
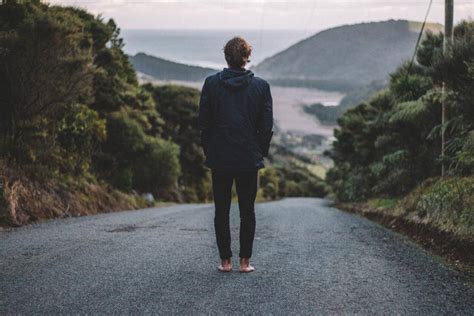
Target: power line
419,39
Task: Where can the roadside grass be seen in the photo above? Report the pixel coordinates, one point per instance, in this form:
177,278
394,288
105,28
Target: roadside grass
446,204
385,205
438,214
24,200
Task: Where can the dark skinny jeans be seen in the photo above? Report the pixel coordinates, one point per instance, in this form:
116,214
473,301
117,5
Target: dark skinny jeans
246,186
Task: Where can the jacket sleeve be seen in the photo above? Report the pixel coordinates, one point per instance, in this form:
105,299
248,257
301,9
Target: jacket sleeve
205,116
265,122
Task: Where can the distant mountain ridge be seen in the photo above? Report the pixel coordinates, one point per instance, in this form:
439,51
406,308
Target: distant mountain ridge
343,58
358,53
163,69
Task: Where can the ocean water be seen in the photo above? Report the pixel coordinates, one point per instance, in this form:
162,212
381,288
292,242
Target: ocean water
204,47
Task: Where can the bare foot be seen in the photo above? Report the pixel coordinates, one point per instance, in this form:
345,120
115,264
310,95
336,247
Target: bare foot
245,265
225,266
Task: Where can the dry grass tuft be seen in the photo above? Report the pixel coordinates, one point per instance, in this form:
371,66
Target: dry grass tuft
23,200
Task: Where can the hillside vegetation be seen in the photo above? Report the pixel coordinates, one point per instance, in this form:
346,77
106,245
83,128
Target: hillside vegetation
74,117
163,69
329,114
350,54
79,135
389,147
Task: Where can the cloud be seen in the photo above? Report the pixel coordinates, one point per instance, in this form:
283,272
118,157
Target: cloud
268,14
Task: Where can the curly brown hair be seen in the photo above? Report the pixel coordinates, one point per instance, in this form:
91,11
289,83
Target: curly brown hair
237,52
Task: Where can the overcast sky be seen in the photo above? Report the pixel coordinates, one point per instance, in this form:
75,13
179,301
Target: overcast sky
260,14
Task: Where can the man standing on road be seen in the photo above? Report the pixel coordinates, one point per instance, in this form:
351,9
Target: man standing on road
236,122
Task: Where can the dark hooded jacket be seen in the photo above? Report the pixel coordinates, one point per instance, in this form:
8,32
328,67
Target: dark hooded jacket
236,120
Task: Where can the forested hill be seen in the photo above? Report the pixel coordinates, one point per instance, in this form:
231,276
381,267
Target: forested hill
358,53
160,68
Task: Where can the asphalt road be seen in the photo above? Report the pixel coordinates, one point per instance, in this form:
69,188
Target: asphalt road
309,259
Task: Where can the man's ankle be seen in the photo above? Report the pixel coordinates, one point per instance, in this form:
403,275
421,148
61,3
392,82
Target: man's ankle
244,260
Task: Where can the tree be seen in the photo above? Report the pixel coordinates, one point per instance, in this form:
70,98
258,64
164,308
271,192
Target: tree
45,67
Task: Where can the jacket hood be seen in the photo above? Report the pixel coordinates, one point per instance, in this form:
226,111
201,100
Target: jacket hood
235,79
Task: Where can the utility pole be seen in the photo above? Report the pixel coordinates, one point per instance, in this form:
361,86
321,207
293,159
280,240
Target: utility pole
447,42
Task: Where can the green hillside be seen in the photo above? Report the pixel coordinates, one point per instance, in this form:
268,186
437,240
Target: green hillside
160,68
355,54
330,114
387,151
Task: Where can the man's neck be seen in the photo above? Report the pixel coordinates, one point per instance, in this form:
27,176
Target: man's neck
237,68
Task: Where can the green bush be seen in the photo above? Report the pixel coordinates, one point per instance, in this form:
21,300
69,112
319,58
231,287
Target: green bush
445,203
178,106
122,179
136,160
291,180
269,182
291,188
78,133
466,155
157,169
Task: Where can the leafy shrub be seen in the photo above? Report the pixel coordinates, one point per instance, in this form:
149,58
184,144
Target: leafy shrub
466,155
178,106
78,133
137,160
269,182
445,203
157,169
